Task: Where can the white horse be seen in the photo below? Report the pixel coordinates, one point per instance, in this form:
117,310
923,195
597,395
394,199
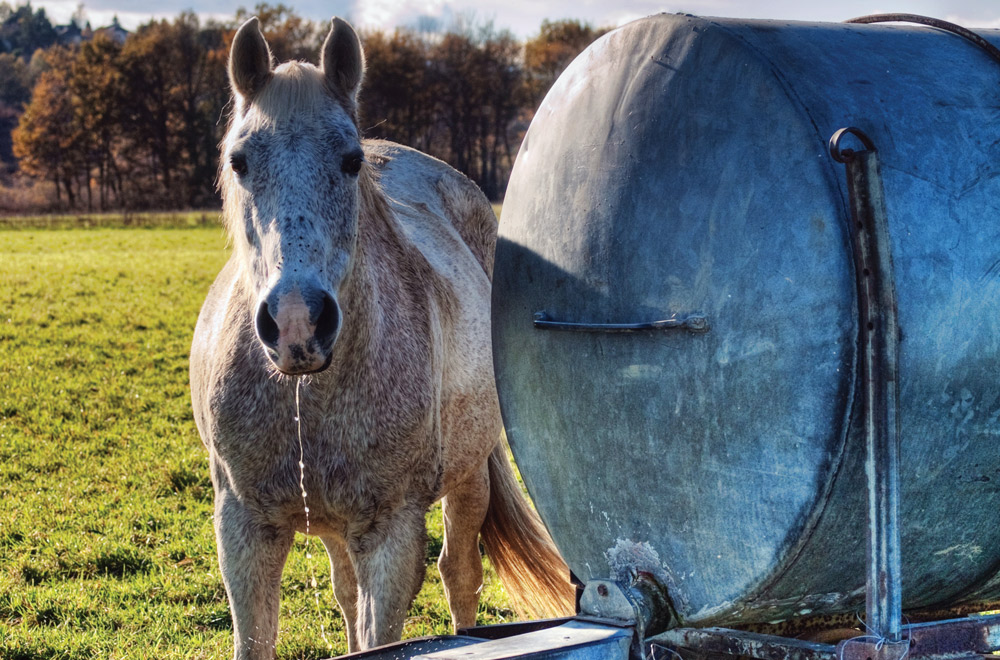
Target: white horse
368,266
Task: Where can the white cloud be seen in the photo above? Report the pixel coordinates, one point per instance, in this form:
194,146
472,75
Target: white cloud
130,20
58,11
619,19
61,12
389,13
524,17
988,23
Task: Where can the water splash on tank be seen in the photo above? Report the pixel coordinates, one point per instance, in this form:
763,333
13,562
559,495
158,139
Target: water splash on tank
627,559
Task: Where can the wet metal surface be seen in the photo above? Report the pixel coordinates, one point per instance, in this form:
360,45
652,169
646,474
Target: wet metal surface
501,630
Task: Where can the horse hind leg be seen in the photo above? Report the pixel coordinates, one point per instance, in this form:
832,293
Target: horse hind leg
345,586
460,563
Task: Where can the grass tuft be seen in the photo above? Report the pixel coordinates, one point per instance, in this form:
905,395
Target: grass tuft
121,562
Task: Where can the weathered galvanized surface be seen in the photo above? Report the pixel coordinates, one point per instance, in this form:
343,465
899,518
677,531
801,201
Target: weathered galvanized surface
679,169
956,639
412,647
725,642
575,640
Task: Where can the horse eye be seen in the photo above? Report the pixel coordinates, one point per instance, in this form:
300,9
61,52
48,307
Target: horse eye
351,164
239,164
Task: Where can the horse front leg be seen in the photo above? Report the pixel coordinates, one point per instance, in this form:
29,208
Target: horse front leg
460,563
345,586
389,564
252,556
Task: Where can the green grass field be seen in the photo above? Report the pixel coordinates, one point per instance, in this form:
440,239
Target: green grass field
106,541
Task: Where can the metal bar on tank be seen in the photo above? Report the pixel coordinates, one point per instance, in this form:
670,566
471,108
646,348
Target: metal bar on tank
879,350
693,323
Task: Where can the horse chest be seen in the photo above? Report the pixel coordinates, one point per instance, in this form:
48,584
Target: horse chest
357,458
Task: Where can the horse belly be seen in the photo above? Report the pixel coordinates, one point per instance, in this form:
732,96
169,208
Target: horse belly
470,414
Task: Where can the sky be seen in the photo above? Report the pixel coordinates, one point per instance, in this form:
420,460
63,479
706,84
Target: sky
523,17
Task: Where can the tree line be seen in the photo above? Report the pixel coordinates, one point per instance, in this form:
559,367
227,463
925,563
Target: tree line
135,122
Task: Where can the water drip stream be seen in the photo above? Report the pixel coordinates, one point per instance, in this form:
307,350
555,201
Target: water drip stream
302,465
313,584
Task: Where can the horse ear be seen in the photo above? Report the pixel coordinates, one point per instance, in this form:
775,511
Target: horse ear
343,61
249,60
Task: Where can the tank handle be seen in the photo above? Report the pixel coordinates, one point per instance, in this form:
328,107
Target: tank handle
692,323
965,33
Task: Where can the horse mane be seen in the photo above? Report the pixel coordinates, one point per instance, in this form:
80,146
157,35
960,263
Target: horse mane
373,206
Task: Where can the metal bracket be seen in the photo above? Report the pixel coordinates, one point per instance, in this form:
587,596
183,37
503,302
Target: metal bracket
879,379
643,604
692,323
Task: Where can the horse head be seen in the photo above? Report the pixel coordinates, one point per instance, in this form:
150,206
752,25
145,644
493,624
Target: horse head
289,177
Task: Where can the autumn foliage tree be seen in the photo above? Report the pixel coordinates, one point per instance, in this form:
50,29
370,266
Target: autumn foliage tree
97,88
24,30
289,36
175,75
453,96
15,92
550,52
137,124
134,125
47,140
398,100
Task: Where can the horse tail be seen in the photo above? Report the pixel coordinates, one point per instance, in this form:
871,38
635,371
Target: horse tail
520,548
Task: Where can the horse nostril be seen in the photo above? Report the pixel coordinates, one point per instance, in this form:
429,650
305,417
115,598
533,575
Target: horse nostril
328,321
267,328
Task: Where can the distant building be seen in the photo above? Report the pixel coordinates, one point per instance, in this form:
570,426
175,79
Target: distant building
115,32
74,35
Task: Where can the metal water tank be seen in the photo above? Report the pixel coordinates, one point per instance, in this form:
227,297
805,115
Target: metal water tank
678,171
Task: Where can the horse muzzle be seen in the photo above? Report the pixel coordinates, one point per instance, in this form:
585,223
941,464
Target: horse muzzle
298,329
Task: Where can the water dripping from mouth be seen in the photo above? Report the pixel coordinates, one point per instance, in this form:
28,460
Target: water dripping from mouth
313,584
302,456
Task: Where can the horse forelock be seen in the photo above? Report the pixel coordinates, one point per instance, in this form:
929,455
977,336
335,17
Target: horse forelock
295,88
